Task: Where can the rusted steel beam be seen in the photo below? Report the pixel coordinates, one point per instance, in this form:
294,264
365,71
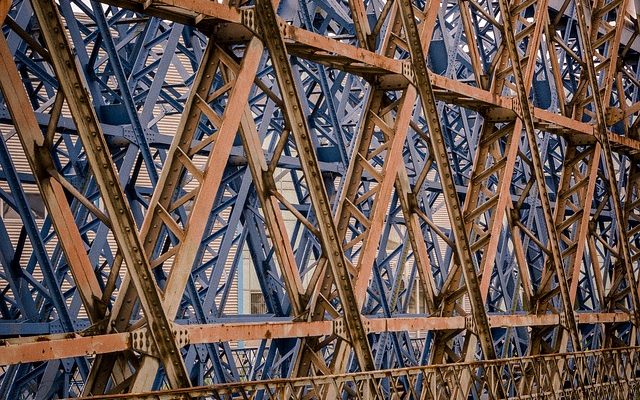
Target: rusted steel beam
462,250
527,119
611,374
41,162
56,347
122,223
5,6
393,123
328,234
60,346
361,24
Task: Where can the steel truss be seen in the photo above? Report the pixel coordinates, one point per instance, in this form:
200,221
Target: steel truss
611,374
477,158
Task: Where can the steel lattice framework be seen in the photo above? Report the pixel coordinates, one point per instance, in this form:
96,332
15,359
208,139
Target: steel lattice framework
483,154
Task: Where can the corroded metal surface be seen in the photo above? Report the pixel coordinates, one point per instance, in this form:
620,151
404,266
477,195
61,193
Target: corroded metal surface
608,374
314,199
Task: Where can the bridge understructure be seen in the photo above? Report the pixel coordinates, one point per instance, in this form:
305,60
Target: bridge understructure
438,199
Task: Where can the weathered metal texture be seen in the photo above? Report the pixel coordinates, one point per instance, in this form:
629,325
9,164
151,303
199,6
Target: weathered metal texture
610,374
410,183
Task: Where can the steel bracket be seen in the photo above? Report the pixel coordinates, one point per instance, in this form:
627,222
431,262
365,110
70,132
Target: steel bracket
563,320
340,329
517,107
613,115
142,341
407,71
181,334
469,324
249,19
149,134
